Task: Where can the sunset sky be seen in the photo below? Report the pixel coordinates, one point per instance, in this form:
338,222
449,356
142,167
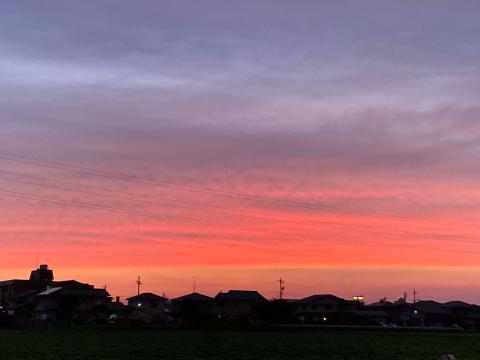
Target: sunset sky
335,144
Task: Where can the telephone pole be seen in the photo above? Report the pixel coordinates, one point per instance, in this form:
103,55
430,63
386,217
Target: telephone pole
281,288
415,292
139,282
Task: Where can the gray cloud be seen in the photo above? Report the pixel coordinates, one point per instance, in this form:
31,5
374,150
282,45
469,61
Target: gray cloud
317,89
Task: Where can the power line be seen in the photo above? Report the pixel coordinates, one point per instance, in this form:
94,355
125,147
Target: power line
95,207
104,195
207,222
237,212
101,207
128,211
152,202
157,182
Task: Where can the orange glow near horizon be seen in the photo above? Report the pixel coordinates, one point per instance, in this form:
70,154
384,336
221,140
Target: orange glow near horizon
334,146
376,252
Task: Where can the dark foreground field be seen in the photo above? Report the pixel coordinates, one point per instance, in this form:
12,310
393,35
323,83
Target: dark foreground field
318,345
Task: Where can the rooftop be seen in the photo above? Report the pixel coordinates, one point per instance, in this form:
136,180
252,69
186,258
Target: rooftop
193,297
147,297
320,297
246,295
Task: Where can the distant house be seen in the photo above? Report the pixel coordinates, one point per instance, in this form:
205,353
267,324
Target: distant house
21,306
34,299
464,315
399,312
40,279
9,289
149,308
236,304
193,308
118,311
71,304
430,313
324,309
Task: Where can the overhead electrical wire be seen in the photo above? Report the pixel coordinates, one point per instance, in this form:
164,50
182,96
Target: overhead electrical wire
28,160
315,223
128,211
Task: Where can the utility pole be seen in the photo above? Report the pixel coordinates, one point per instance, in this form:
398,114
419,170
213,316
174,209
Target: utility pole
139,282
281,288
415,292
194,284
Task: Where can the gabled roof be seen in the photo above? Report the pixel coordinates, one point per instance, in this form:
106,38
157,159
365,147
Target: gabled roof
243,295
147,297
383,303
64,283
71,284
193,297
429,307
457,304
320,297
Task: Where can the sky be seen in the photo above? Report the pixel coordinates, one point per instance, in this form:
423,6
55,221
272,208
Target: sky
334,144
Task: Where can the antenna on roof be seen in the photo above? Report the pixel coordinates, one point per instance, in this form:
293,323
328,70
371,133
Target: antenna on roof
139,282
194,284
281,288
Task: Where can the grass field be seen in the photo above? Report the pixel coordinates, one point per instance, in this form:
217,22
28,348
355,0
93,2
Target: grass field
318,345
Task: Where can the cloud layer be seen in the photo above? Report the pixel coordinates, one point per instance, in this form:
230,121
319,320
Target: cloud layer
361,120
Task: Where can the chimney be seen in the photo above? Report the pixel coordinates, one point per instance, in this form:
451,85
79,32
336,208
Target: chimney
117,299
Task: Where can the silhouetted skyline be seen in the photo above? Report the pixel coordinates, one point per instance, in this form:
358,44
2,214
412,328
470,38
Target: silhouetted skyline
330,143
